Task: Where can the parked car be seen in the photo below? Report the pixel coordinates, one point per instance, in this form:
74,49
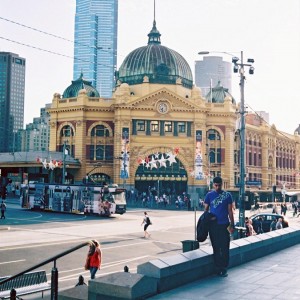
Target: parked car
267,219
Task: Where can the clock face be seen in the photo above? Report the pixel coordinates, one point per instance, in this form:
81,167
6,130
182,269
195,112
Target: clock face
163,107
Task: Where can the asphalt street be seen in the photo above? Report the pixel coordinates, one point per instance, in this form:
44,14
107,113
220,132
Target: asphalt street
30,237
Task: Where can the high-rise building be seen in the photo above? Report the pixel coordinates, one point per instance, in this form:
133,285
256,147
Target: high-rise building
95,48
210,71
37,134
12,90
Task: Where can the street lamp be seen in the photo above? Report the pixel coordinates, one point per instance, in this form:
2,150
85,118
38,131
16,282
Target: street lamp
240,67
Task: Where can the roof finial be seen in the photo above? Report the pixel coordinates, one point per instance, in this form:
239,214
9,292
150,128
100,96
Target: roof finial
154,35
154,11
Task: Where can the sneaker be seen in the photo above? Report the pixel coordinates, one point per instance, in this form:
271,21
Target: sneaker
223,273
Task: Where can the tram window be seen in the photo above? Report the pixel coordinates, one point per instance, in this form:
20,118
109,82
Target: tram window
108,197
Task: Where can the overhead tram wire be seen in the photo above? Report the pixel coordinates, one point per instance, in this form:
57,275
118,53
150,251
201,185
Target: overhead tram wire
48,51
51,34
280,132
55,36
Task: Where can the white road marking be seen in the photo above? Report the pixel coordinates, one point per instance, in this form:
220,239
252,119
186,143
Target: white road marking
12,261
108,265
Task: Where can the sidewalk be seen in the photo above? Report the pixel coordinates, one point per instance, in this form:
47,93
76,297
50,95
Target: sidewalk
276,276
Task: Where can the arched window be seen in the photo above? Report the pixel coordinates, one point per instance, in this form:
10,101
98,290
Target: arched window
100,130
214,146
67,131
101,147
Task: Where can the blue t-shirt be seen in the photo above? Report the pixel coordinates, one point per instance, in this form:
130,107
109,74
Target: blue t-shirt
218,205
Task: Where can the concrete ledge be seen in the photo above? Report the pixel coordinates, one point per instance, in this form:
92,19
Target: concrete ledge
179,269
163,274
122,285
76,293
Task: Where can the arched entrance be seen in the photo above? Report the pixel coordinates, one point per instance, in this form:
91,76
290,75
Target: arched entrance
161,173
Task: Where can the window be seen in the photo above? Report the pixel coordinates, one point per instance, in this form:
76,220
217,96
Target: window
181,127
154,126
213,135
101,152
140,125
67,131
168,126
100,130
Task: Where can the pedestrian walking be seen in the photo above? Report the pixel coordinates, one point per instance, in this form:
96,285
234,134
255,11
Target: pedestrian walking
249,227
146,222
3,209
94,258
219,203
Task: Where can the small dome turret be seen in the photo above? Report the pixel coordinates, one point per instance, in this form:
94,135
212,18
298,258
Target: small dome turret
218,94
80,84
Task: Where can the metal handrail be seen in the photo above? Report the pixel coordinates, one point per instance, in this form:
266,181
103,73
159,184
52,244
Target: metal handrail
54,272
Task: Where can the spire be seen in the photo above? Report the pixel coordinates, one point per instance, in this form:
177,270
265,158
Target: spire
154,35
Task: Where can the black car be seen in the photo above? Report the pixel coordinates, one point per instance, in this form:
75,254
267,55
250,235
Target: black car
267,220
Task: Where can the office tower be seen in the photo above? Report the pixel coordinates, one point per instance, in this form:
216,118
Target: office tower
12,89
37,134
95,48
211,70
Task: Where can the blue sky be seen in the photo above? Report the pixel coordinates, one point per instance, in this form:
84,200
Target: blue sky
267,31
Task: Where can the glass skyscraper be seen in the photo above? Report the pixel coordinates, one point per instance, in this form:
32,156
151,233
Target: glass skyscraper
12,92
95,48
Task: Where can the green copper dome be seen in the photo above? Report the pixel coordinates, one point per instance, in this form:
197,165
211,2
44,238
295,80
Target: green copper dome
79,84
218,94
159,63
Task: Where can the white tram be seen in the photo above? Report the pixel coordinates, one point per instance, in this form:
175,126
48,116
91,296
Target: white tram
78,199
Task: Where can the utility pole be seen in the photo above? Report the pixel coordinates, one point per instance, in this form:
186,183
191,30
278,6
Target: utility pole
240,67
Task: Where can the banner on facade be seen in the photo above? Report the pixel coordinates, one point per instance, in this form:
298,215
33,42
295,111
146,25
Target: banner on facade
198,156
124,174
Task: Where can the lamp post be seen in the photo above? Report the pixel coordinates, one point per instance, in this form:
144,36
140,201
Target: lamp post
240,67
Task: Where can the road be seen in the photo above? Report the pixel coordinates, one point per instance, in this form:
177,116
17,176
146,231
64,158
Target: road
35,236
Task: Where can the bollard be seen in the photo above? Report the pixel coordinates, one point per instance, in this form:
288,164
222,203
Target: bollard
54,282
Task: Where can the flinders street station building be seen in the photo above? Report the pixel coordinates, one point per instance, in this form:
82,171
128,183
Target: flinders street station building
159,132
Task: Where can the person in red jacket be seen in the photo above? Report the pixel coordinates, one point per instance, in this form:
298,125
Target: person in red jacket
94,258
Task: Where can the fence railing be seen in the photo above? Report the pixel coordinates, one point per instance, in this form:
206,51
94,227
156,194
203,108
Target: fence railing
54,271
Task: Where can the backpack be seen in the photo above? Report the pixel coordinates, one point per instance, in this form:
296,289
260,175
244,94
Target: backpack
148,222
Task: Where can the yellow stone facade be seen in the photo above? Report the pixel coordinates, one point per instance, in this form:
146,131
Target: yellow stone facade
268,147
